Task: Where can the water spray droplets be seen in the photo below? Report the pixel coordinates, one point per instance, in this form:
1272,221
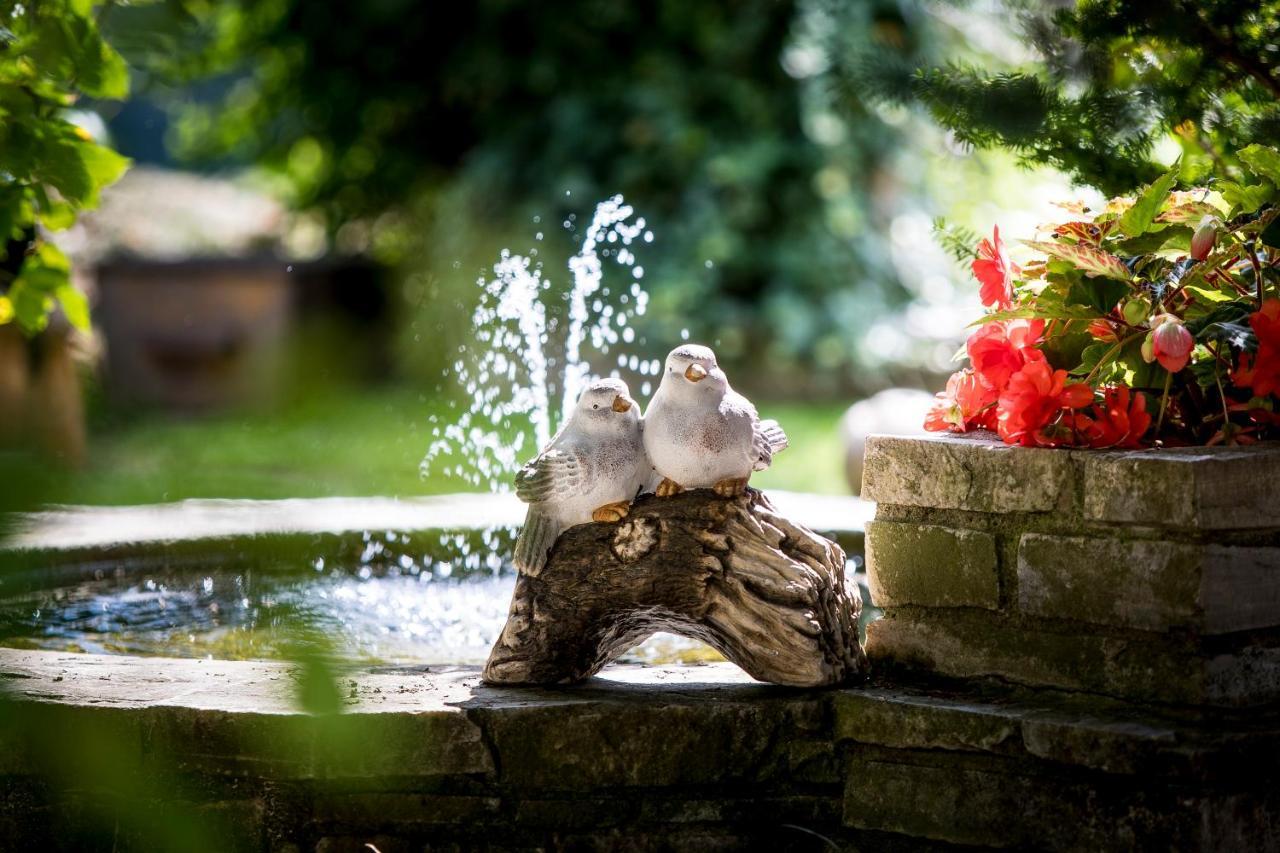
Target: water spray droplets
507,373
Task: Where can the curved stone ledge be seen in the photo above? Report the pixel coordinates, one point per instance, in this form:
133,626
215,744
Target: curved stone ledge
646,759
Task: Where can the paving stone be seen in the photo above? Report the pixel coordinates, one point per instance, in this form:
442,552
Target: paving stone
887,719
972,472
931,566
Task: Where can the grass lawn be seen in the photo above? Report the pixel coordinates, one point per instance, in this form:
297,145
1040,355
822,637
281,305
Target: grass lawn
366,442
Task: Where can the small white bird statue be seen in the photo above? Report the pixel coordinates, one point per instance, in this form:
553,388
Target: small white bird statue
700,433
590,471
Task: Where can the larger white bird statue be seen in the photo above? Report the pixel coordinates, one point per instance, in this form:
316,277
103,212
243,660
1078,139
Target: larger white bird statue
700,433
590,471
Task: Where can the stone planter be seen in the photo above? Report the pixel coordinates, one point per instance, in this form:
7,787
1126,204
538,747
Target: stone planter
1145,575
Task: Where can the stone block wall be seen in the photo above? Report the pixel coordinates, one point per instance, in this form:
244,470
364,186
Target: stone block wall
119,754
1146,575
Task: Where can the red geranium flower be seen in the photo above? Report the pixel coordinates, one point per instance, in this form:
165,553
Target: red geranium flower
998,350
993,269
966,404
1035,396
1260,371
1120,420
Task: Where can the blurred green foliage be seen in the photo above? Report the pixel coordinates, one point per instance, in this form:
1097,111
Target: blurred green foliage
431,135
1112,80
51,53
346,442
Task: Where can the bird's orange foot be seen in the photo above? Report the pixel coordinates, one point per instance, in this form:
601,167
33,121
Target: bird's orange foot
731,488
611,512
667,488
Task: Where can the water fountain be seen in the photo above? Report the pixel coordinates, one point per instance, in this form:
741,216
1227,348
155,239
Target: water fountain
532,359
436,595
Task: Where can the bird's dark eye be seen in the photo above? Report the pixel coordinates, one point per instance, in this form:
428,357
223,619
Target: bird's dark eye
595,405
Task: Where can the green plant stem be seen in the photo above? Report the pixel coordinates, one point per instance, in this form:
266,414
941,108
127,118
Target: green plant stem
1164,400
1110,354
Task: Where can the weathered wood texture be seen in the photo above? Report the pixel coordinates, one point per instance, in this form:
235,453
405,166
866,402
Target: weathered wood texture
764,591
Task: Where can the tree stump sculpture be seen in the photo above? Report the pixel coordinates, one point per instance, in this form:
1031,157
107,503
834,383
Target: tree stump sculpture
765,592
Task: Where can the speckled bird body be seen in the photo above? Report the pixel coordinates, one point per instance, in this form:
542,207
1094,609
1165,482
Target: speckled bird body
699,432
591,470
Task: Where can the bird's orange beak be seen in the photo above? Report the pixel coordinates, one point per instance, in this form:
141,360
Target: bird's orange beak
695,373
621,404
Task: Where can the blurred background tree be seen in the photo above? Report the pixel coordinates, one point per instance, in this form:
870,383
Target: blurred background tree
1116,88
430,135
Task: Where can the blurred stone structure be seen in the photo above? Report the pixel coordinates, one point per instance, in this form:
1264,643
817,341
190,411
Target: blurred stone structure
894,411
40,402
200,284
195,335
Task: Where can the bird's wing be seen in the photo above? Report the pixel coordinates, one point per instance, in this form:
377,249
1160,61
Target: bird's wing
768,439
553,473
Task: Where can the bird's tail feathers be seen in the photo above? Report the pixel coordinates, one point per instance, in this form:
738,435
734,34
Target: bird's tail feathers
770,439
774,436
535,540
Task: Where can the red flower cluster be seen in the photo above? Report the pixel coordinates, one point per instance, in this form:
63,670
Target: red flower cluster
1013,389
1260,371
1120,420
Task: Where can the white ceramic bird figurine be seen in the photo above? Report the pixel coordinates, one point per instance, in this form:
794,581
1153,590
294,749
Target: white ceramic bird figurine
590,471
700,433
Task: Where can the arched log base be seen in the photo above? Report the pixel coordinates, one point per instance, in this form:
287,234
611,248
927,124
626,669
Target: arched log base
764,591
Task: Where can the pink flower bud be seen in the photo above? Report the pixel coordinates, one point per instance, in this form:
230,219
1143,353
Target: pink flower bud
1149,348
1171,343
1203,239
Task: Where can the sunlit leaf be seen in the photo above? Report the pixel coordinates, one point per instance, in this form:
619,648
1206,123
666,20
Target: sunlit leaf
1139,218
1191,212
1246,198
1262,160
75,305
6,310
30,306
1086,258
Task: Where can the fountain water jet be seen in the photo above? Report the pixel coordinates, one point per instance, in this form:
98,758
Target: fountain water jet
518,392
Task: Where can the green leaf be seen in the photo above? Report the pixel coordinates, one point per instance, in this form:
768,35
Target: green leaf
1091,356
1227,323
1205,295
75,305
1176,236
1068,346
1271,234
1139,218
1098,294
1262,161
103,165
1134,371
1245,198
1085,258
78,169
30,306
11,214
6,310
